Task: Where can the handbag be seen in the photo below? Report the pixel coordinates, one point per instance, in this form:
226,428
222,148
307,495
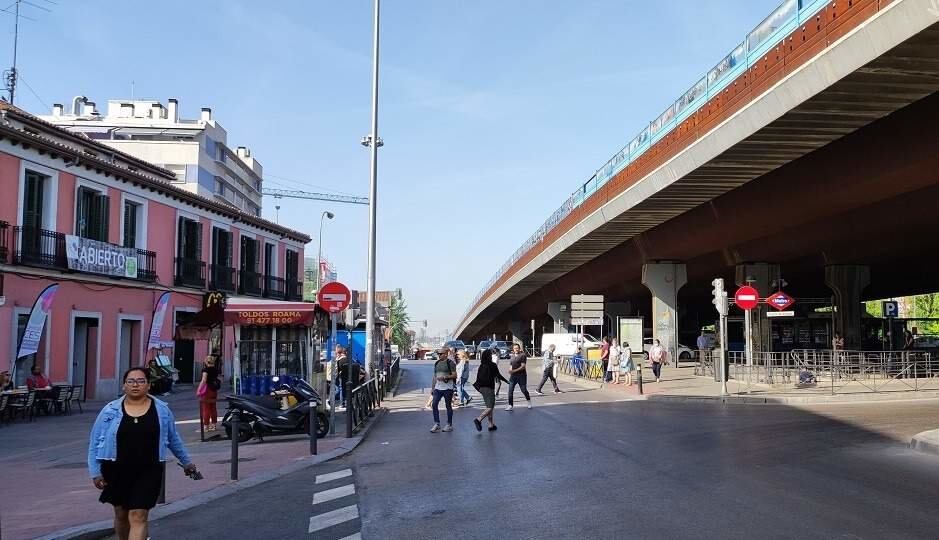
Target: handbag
202,389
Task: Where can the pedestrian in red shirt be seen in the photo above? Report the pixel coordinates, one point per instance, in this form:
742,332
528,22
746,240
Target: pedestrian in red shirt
37,381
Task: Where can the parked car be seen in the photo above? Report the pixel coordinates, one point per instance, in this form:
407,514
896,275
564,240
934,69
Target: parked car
504,348
471,350
566,344
455,345
430,355
685,354
483,345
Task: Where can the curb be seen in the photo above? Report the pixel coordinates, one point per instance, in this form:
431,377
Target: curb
104,529
926,442
792,400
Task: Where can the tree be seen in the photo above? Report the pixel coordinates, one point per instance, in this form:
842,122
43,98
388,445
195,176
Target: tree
398,319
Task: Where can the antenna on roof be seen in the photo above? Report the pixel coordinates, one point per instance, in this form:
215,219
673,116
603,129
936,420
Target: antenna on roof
10,76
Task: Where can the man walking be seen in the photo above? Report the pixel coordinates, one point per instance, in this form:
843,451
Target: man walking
547,365
657,355
518,375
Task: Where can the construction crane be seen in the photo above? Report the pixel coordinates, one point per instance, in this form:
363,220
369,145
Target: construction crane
290,194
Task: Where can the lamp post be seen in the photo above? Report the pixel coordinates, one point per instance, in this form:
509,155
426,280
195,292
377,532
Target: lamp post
373,142
319,249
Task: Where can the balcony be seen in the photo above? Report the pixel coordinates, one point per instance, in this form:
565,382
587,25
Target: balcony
222,278
249,283
275,287
4,241
294,290
190,273
46,249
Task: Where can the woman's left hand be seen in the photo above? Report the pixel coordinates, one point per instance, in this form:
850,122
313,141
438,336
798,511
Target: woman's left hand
189,469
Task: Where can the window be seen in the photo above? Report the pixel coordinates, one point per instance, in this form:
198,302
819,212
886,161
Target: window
133,214
292,267
221,247
219,186
91,214
249,254
189,245
270,266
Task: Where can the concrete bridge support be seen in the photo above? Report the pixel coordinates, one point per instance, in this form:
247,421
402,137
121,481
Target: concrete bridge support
518,330
664,279
848,281
763,276
560,312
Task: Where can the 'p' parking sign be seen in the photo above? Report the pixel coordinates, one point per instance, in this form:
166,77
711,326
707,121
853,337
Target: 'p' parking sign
890,309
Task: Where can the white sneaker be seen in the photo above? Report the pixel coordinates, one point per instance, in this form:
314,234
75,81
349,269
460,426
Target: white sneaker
448,428
529,404
509,408
539,392
435,429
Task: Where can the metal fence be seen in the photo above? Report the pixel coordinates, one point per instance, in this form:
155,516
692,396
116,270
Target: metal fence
834,372
366,398
579,367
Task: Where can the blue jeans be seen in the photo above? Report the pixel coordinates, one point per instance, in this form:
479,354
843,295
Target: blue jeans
657,369
464,395
447,396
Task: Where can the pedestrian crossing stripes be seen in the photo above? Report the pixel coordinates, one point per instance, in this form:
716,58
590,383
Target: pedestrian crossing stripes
335,507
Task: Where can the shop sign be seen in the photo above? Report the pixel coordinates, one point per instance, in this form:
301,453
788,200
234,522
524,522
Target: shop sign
96,257
269,318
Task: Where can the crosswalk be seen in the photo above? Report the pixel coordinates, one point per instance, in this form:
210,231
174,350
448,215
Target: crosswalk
335,507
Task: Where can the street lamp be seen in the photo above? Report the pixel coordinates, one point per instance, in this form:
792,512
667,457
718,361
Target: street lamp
319,250
373,141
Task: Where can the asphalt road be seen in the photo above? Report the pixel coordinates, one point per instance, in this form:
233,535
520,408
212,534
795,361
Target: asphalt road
581,466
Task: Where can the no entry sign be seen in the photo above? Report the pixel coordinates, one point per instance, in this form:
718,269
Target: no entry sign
747,298
334,297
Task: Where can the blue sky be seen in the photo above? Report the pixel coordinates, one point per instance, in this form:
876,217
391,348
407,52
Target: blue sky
491,111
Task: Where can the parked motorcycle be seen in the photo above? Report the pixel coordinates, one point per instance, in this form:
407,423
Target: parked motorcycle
286,411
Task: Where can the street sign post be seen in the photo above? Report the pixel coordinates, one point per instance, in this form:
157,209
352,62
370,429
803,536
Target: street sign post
720,303
891,308
586,310
746,299
334,297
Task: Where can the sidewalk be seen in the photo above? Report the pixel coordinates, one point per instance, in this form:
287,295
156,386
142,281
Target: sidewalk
45,485
683,385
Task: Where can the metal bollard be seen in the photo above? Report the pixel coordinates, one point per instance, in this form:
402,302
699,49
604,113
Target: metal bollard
640,377
350,408
314,427
235,435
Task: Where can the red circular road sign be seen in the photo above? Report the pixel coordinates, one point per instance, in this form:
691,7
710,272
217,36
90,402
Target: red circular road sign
334,297
747,297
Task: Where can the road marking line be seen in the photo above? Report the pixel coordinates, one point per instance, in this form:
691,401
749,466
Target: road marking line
356,536
342,515
323,478
335,493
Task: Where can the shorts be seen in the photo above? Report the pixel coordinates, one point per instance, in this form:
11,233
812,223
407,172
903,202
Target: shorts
489,396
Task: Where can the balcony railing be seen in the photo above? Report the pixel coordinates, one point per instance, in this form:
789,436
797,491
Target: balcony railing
146,266
221,278
249,283
275,287
294,290
39,247
4,241
190,273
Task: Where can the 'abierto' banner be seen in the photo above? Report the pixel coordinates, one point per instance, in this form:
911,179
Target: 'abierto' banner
156,324
29,344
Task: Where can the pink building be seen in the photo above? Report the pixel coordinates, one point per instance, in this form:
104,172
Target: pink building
62,194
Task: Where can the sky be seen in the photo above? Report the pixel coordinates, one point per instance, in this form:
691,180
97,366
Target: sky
491,112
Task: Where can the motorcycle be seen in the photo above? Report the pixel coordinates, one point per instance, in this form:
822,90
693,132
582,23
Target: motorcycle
285,412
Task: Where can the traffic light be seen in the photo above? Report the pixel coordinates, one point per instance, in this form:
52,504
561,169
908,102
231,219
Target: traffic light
720,296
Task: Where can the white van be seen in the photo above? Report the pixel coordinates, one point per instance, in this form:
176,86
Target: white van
566,344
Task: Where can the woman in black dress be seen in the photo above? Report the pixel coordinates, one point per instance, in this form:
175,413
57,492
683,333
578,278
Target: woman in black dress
126,455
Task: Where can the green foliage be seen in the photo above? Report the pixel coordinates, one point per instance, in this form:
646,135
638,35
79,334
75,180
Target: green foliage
399,321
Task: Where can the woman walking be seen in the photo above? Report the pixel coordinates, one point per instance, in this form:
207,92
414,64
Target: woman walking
486,376
208,393
444,383
657,357
127,450
462,370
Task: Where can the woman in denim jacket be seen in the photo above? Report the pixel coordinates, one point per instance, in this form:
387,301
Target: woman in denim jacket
127,450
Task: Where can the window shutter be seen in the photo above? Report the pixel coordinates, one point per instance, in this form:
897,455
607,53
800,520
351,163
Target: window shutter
104,216
229,237
181,238
198,252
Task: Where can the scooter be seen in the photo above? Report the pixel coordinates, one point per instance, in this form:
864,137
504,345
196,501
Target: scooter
285,412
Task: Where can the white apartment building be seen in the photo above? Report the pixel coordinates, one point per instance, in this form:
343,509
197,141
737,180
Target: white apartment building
195,150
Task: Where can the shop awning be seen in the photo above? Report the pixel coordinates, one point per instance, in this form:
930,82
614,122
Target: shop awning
265,312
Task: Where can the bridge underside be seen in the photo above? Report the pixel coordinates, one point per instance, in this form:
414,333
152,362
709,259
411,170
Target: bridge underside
849,177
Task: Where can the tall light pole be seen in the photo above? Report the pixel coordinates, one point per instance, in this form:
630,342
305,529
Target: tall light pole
319,249
373,142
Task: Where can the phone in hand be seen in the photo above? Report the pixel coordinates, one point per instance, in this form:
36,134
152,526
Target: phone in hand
195,475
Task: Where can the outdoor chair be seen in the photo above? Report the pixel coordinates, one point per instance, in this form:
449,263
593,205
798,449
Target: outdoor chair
24,405
75,396
50,400
61,405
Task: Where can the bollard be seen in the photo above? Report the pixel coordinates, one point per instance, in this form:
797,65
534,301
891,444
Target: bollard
349,410
235,435
639,364
314,427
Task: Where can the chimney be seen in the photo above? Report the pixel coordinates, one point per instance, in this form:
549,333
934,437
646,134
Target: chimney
89,109
243,152
206,115
57,109
172,108
156,111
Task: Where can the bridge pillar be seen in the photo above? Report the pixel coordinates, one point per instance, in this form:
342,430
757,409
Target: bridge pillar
762,276
664,279
848,281
518,328
560,312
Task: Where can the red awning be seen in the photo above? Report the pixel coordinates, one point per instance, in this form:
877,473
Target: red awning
263,312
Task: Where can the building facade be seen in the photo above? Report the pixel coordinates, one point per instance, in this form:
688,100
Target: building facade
115,233
195,150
